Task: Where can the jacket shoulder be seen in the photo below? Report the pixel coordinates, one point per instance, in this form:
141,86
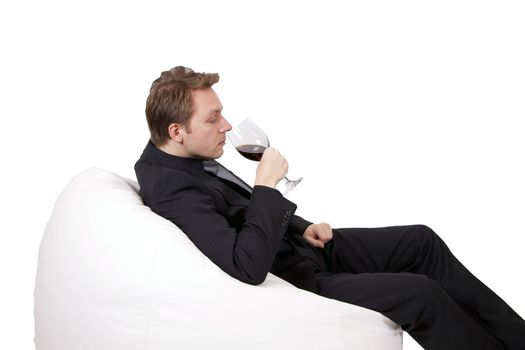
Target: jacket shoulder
158,182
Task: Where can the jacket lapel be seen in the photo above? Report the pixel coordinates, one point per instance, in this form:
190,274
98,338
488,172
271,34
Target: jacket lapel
232,193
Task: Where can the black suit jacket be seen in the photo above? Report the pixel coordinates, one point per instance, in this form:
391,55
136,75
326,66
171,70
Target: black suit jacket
245,234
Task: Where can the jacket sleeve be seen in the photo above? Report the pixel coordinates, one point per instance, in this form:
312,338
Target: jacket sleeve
298,225
246,255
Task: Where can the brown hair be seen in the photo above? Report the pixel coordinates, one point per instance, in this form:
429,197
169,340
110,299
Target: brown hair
170,101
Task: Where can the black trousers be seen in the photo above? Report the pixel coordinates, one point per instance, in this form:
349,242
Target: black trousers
408,274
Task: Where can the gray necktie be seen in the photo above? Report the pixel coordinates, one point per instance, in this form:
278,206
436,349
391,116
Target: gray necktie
214,168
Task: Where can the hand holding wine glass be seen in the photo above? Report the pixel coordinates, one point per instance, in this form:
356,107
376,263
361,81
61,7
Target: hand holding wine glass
271,169
251,142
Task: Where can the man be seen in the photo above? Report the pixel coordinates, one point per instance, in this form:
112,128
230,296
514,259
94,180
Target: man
406,273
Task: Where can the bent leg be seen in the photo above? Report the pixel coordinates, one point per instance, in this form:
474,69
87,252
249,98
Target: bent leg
417,249
418,304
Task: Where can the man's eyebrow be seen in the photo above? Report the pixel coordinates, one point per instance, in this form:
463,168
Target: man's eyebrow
212,112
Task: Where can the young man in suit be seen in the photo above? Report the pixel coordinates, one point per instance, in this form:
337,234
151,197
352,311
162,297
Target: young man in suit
406,273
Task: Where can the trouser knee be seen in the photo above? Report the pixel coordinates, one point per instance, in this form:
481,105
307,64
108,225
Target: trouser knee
427,239
425,233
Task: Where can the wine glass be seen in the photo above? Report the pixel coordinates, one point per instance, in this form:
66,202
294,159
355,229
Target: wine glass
251,141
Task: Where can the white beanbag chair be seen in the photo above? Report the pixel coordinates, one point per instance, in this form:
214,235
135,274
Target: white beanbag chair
114,275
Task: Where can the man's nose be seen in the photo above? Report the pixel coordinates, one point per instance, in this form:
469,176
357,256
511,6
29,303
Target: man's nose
226,127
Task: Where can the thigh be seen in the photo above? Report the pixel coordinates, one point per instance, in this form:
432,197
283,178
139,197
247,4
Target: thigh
383,249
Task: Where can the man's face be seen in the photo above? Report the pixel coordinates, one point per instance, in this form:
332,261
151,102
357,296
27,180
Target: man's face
207,127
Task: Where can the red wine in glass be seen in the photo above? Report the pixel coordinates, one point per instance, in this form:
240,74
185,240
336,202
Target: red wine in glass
251,141
251,152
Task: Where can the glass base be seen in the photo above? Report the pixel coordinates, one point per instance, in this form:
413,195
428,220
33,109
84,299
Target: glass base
290,185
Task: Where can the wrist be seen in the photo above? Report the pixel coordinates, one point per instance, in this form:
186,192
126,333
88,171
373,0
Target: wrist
265,182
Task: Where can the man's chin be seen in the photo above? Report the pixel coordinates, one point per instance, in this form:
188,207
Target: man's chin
219,155
214,156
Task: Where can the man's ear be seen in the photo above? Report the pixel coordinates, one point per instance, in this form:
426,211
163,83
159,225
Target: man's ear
176,132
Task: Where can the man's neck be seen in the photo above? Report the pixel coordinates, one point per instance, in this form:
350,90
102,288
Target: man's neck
176,150
173,150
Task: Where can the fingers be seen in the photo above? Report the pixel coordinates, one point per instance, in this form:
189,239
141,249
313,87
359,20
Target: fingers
319,244
318,234
271,169
324,232
314,242
275,158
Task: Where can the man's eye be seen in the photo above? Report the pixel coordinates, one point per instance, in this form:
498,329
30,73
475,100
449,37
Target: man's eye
213,119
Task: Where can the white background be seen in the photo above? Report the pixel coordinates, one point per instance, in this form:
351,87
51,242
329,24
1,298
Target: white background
395,112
